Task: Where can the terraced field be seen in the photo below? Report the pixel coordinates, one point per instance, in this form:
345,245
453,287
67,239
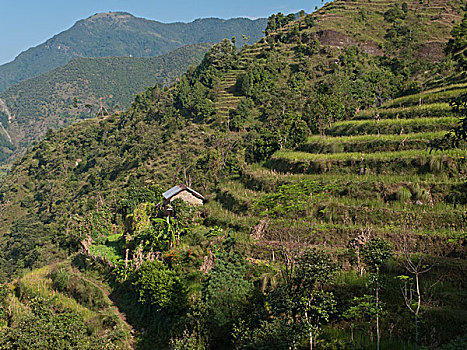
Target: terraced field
383,180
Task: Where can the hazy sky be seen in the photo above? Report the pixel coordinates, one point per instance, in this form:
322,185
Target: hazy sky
27,23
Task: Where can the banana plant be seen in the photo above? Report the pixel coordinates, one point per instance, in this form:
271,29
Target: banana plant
170,231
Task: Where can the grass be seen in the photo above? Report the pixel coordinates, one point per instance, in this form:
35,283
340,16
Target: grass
437,95
260,178
384,137
219,215
109,253
369,143
425,110
111,250
38,283
391,126
452,162
299,156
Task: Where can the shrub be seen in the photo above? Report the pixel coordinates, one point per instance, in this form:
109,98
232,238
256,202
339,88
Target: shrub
60,278
404,194
160,287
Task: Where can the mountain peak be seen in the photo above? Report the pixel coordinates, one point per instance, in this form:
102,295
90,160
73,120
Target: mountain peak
110,15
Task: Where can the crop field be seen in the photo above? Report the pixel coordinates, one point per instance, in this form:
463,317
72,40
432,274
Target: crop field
384,176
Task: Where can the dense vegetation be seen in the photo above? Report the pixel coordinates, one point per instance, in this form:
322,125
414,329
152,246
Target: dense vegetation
335,213
122,34
83,88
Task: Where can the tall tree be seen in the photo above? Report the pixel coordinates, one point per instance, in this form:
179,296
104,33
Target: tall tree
375,253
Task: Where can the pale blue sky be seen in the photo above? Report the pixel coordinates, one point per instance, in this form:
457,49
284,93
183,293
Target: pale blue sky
27,23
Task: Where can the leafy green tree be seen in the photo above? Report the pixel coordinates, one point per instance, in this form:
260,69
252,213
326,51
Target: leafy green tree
272,24
240,115
47,326
375,253
260,145
315,269
309,20
160,287
362,313
300,299
457,44
226,291
457,135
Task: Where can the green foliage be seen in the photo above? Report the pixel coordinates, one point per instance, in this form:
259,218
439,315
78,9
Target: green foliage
376,252
83,291
160,287
121,34
4,292
404,194
45,327
226,290
60,278
457,44
136,195
97,175
277,21
457,343
188,341
396,12
293,199
314,269
260,145
241,114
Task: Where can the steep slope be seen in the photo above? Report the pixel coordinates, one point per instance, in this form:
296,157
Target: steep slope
122,34
80,89
296,143
101,155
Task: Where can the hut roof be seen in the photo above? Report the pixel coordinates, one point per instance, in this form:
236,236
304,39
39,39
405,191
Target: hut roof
180,188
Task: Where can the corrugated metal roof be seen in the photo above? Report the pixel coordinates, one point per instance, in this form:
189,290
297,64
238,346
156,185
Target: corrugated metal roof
179,188
172,192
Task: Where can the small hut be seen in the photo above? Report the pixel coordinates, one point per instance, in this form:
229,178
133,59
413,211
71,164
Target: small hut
183,192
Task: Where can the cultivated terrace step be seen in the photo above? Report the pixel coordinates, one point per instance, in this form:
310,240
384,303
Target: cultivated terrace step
391,126
452,162
425,110
428,97
369,143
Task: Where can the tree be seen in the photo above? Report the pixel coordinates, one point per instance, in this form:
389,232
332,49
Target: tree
375,253
160,287
314,270
457,44
309,20
362,312
416,266
300,297
226,291
458,134
240,115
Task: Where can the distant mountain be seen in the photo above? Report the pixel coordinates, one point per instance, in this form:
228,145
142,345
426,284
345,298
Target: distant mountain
310,146
79,89
122,34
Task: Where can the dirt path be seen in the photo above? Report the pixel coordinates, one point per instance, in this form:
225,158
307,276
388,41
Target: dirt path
120,315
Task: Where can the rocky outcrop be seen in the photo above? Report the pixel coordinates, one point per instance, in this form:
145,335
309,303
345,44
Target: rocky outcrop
334,38
432,51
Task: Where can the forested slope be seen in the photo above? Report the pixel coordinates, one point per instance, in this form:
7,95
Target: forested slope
83,88
331,187
122,34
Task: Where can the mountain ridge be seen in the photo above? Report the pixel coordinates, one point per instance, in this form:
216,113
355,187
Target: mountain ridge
308,154
78,89
153,37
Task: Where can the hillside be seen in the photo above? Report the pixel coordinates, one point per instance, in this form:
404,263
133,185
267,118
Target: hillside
80,89
122,34
334,201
